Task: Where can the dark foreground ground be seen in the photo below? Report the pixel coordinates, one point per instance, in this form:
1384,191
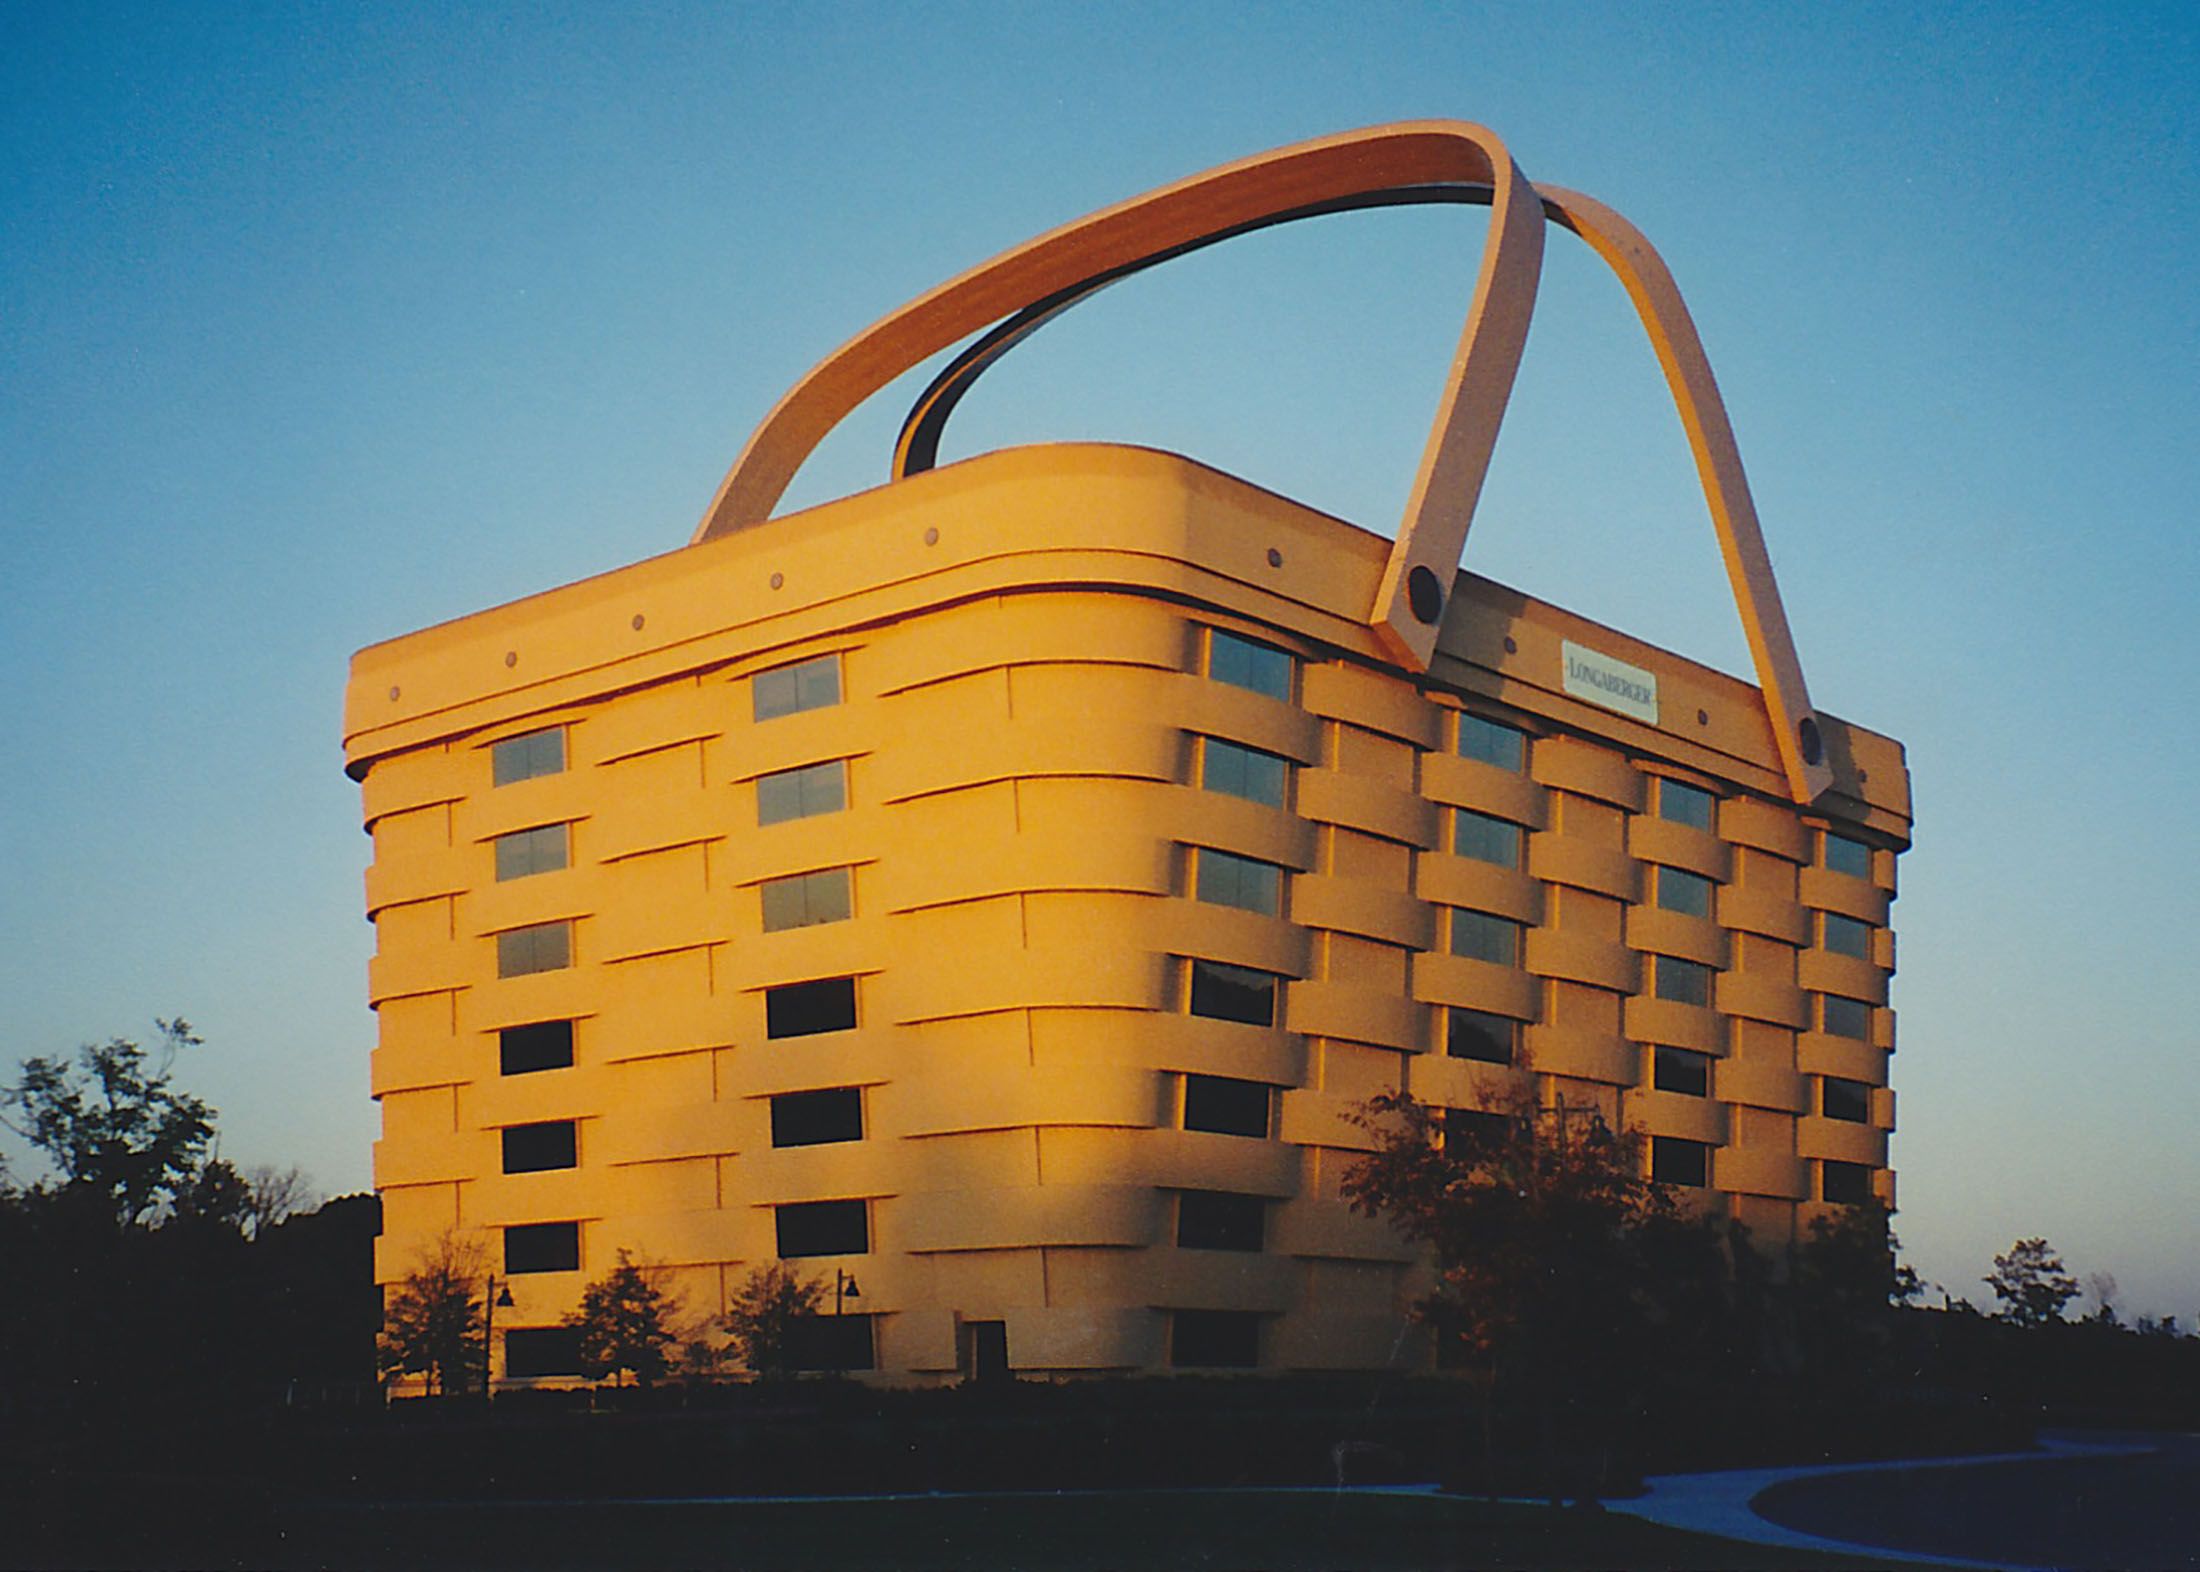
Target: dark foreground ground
2081,1513
1280,1531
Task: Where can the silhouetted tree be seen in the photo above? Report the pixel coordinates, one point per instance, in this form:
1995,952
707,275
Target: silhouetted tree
434,1323
761,1321
624,1325
2031,1283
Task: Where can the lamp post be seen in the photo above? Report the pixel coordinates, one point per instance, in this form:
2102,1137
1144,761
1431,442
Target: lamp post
494,1297
844,1287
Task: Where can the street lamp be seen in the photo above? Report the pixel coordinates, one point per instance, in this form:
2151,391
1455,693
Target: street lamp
844,1287
490,1301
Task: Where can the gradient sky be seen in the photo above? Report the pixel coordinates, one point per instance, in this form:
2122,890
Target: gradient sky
318,324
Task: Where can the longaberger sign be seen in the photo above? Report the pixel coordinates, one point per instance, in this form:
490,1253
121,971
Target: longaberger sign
1612,683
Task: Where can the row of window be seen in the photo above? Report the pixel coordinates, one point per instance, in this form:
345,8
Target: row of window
1685,1163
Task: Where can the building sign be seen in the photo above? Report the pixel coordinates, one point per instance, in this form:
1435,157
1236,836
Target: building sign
1612,683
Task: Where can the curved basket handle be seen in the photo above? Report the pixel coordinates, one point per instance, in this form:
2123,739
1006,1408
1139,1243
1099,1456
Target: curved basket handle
1410,601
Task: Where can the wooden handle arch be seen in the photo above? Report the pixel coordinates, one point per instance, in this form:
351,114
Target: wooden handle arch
1025,287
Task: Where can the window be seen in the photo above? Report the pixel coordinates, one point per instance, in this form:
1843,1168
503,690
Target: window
817,1118
1214,1339
1839,1017
1469,1129
1217,1220
831,1342
542,1351
1244,664
1678,890
823,1228
1685,804
1481,936
539,1045
802,793
1233,993
540,850
1678,1070
535,1148
542,1247
525,757
1843,855
1484,838
1845,1184
1847,1100
1228,880
1675,1161
788,690
804,900
1491,743
807,1008
1242,772
1844,935
1477,1034
541,947
1222,1106
1683,982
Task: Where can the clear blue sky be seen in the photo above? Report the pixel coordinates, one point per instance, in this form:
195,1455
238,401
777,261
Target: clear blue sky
321,323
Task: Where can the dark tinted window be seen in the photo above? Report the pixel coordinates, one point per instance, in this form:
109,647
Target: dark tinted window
1839,1017
1477,1034
1214,1339
823,1228
1846,856
539,850
1842,1099
1244,664
540,1045
1216,1220
809,685
542,1351
542,1247
1848,1184
804,900
1674,1161
1678,1070
802,793
1242,772
815,1118
1233,993
1685,804
1223,1106
543,947
1683,982
1491,743
1678,890
531,1148
1481,936
523,758
1484,838
1469,1129
831,1342
1227,880
1845,935
807,1008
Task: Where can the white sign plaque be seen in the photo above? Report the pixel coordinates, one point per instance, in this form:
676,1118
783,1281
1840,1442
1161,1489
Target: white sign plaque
1612,683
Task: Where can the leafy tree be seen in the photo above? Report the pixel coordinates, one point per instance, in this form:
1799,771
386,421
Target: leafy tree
2031,1283
624,1325
435,1322
120,1134
1845,1284
772,1300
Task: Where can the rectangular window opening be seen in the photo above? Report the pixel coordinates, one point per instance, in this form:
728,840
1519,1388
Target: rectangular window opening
1485,838
1233,993
802,793
817,1118
808,1228
1237,771
805,900
1214,1339
1678,1070
1844,936
540,947
832,1342
1486,740
1845,1184
1242,663
1221,1105
524,757
542,1351
1478,1034
1472,1130
1846,1100
536,1148
1843,855
1839,1017
806,1009
1224,879
539,1045
542,1247
1675,1161
1685,804
1484,936
1683,982
1220,1220
1678,890
543,849
789,690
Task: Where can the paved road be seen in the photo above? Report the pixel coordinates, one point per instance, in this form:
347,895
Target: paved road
2075,1512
